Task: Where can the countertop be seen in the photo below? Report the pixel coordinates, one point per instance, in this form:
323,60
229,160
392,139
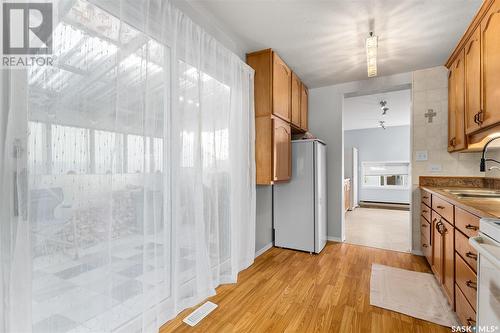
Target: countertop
484,207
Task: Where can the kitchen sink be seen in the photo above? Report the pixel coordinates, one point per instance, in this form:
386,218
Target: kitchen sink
475,194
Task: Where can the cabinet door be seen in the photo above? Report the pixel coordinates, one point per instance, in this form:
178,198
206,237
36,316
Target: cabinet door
437,248
282,78
282,150
448,252
456,105
473,103
296,92
490,46
304,107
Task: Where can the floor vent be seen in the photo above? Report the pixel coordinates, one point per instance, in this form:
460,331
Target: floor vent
197,315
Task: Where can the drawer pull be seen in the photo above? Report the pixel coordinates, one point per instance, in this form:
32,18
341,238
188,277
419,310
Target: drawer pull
440,207
471,227
471,322
424,225
425,245
426,197
424,211
471,284
471,255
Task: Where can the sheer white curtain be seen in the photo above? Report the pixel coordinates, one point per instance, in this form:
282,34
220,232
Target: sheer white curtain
134,189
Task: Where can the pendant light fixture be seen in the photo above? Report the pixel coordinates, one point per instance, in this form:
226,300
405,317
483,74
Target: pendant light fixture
371,54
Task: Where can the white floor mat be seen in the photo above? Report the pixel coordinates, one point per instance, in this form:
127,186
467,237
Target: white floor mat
412,293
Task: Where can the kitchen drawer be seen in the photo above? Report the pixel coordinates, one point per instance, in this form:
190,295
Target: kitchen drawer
465,250
444,208
426,197
466,222
425,211
426,247
465,312
425,228
466,280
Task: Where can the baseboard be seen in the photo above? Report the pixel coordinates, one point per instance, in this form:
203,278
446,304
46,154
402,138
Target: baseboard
264,249
417,252
334,239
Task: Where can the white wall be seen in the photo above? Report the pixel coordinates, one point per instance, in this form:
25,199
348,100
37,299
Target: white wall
377,145
325,121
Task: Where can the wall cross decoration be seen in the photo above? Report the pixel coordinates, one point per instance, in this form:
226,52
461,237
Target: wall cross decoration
430,114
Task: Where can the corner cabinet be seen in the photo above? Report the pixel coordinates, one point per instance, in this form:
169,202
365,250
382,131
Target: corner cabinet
281,107
475,63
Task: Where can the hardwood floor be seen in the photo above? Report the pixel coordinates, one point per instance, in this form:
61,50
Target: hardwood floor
291,291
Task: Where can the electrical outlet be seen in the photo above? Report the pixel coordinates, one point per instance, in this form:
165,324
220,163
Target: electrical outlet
421,155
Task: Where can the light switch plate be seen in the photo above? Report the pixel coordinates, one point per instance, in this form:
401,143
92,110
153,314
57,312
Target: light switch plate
435,168
421,155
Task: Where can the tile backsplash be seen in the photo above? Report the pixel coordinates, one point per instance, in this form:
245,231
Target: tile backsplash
430,92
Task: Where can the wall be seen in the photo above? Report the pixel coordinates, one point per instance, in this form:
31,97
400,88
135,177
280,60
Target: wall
325,121
376,144
430,91
264,223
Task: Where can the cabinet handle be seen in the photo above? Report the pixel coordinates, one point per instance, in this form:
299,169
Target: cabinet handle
471,322
475,118
440,207
425,211
425,245
471,284
424,225
471,255
480,117
471,227
426,197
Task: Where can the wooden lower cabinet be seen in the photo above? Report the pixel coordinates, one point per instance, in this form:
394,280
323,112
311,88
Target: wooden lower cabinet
465,312
446,248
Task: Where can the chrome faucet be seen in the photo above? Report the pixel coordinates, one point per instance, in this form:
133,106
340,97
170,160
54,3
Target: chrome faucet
482,166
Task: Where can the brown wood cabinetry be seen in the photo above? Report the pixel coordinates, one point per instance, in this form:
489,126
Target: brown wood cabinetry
296,94
452,259
280,108
456,105
474,83
282,80
282,150
304,107
490,59
473,103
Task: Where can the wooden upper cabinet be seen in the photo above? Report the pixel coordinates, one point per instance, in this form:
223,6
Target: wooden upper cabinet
282,150
473,103
282,77
490,59
304,107
295,100
456,105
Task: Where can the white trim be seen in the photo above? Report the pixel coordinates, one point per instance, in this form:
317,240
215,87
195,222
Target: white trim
334,239
417,253
264,249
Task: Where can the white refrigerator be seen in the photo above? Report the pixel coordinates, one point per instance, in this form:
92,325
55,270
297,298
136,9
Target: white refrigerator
299,206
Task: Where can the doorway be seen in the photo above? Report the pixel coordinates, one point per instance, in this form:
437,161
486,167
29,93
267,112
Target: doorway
377,155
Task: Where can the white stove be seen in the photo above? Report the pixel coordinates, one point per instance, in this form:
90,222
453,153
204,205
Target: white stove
487,245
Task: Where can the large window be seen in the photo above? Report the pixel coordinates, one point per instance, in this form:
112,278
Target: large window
385,174
70,150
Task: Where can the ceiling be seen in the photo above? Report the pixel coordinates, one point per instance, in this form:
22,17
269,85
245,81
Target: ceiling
364,111
323,41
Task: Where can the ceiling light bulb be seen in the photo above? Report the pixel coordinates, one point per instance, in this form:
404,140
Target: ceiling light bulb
371,54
